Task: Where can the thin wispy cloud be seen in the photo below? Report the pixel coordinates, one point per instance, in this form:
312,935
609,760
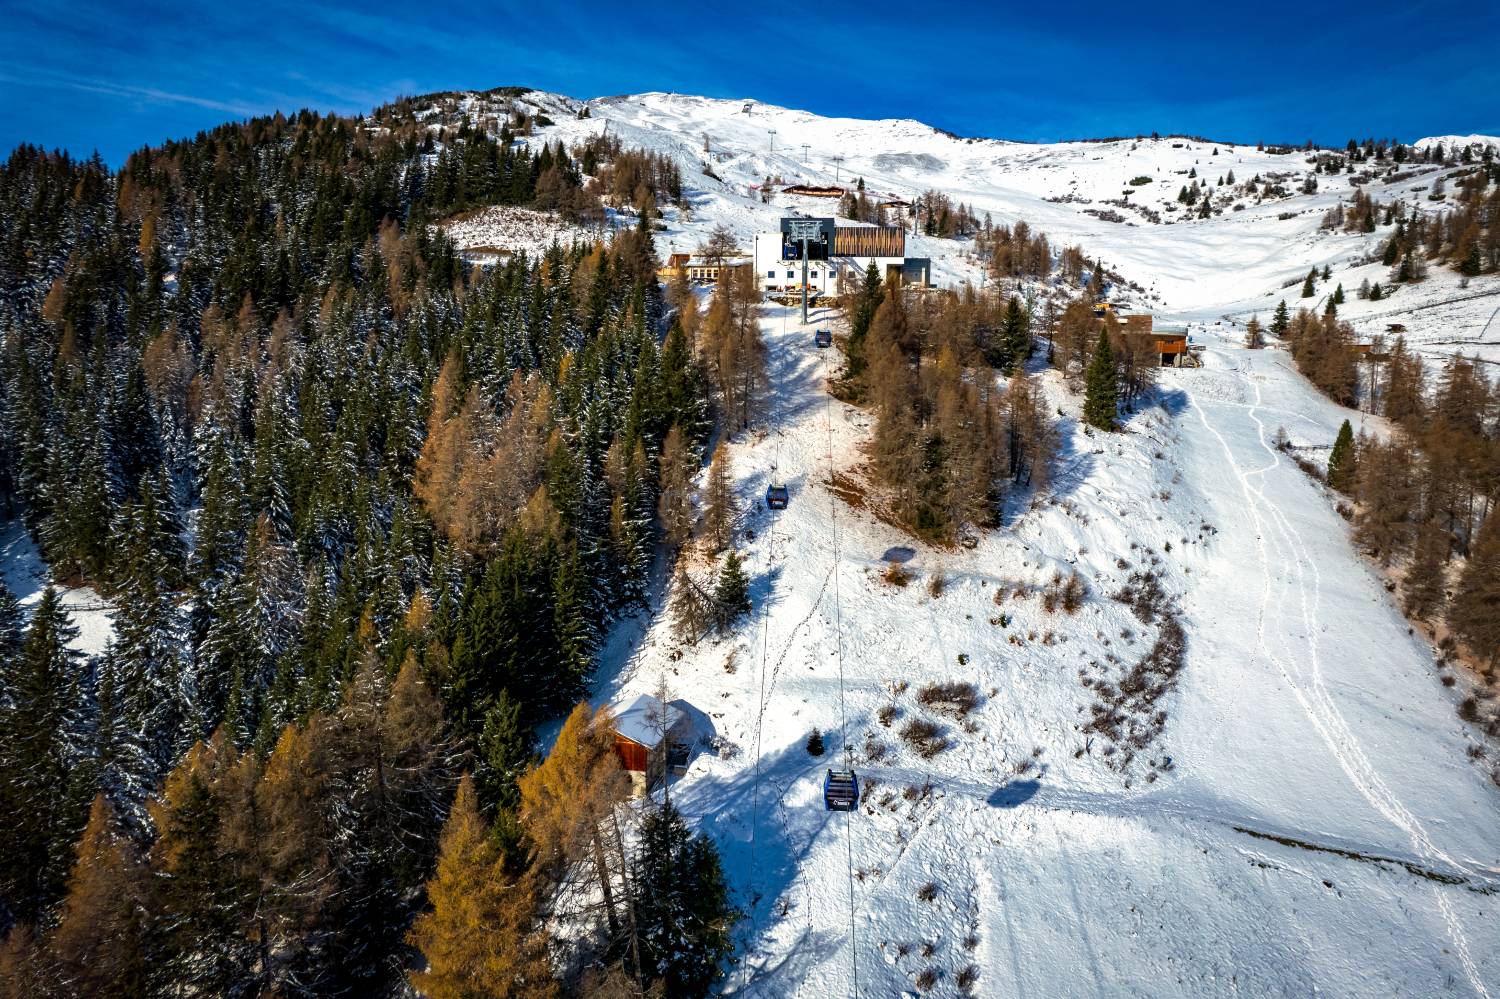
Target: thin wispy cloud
43,78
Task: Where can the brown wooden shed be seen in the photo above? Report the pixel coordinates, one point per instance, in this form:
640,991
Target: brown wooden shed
651,737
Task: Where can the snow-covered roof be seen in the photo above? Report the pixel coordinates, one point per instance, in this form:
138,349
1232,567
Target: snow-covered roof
641,720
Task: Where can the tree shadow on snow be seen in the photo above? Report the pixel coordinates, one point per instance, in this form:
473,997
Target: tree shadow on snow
1017,792
782,802
1173,402
1071,466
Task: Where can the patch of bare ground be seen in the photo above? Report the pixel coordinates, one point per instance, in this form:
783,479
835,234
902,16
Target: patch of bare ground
849,489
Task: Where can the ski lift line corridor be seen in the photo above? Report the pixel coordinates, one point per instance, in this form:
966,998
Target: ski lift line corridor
841,788
777,497
847,782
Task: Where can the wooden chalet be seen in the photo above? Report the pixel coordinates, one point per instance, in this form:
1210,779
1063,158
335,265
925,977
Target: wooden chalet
696,268
651,739
1172,349
676,263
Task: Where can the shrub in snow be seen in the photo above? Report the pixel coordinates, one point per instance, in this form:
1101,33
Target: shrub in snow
924,737
953,698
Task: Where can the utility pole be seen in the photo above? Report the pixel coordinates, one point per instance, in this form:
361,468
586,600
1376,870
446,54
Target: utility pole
838,163
804,232
804,279
804,154
772,133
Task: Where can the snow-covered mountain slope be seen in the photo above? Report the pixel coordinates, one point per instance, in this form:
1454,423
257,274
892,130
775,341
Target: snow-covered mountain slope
1296,813
1475,142
1307,821
1242,260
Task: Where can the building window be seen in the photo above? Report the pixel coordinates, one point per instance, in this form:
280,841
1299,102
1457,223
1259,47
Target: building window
770,274
791,274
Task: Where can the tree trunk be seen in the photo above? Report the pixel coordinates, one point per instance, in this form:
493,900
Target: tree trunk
601,868
635,943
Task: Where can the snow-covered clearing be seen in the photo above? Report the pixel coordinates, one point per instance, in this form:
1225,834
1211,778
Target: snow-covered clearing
25,574
502,231
1318,827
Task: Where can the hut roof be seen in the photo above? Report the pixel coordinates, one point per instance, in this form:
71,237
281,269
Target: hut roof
641,720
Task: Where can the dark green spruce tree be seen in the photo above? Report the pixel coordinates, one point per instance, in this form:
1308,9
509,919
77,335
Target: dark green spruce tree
682,906
732,593
1102,388
1280,321
1341,460
44,756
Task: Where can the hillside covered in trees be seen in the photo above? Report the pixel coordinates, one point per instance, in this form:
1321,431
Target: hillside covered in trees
364,515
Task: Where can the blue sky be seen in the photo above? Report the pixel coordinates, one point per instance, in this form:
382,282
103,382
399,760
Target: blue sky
114,76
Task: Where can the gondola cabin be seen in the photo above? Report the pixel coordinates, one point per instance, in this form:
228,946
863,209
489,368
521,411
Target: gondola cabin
823,338
840,791
777,497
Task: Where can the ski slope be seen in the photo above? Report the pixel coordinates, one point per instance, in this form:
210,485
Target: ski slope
1307,821
1240,261
1320,829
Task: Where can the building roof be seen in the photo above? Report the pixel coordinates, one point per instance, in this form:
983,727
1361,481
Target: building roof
814,191
641,720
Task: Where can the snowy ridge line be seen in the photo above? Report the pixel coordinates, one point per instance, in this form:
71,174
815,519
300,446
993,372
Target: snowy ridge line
1372,785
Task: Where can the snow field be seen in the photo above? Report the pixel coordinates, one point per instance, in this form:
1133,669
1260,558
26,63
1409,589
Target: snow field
1318,829
1238,262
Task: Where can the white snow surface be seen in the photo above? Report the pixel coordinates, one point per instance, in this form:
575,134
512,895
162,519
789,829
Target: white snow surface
1320,831
1320,828
26,575
499,231
1237,262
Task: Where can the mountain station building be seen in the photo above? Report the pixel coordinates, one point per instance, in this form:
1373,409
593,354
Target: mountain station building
844,252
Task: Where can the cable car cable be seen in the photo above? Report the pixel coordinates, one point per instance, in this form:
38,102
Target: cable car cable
838,631
760,706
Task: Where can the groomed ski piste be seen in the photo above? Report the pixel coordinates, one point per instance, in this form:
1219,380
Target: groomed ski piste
1305,822
1317,829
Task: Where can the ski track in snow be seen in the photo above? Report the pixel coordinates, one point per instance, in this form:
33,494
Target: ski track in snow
1041,858
1351,754
1317,703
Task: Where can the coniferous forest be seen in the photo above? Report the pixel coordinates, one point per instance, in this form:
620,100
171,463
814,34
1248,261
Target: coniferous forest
364,515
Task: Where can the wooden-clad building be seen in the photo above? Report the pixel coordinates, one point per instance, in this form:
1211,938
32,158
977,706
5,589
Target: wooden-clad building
851,250
1171,349
651,738
869,241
